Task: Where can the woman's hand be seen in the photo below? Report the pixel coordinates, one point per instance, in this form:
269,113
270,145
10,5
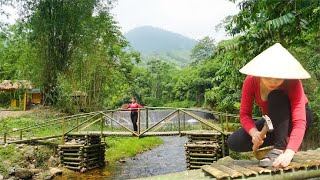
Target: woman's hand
283,160
257,139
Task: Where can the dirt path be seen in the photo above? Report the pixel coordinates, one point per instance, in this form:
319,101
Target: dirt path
6,113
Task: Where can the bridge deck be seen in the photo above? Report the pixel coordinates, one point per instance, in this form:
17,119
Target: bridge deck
105,134
305,165
108,133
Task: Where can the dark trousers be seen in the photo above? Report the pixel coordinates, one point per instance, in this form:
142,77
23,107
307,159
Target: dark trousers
280,115
134,119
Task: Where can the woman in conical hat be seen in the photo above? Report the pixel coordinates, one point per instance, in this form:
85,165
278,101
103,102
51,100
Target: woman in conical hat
273,82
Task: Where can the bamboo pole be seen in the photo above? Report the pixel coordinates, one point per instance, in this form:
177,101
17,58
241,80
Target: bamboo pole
25,101
90,124
222,136
77,124
53,121
214,126
147,117
101,127
221,121
227,122
112,119
34,139
63,131
159,122
139,122
5,137
122,118
111,125
81,124
163,123
179,123
184,121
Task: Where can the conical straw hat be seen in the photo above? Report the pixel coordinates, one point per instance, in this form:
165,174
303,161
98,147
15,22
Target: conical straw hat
275,62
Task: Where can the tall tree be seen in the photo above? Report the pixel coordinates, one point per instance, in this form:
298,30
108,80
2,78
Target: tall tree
57,28
204,49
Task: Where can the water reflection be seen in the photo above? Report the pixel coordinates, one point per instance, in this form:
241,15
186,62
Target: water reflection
103,173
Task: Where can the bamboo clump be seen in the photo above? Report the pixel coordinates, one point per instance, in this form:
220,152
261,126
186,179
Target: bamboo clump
82,152
204,148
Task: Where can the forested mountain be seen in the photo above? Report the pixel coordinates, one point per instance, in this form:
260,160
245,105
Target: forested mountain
155,43
148,39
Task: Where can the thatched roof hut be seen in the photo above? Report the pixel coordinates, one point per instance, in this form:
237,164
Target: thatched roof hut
12,85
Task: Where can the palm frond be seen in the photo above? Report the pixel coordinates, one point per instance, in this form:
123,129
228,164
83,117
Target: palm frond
281,21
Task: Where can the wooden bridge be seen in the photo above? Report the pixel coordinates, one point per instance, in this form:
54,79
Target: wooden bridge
171,122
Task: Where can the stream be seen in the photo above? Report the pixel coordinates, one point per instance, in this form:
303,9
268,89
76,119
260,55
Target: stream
167,158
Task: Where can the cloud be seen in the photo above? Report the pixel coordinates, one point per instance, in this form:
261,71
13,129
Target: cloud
192,18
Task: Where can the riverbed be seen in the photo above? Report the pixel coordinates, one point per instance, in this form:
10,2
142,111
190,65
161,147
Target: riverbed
167,158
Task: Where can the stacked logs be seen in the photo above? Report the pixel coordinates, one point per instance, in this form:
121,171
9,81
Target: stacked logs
204,148
82,152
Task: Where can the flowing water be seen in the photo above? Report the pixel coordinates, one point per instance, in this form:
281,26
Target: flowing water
167,158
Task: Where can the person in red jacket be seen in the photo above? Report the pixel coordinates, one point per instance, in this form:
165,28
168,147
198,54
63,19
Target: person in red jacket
273,82
134,106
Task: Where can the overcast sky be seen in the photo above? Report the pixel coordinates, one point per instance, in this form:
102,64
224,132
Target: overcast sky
191,18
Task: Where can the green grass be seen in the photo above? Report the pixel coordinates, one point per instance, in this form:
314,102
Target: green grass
121,147
9,157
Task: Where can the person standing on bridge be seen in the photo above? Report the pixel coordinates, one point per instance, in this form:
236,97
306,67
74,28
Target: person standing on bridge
134,107
273,82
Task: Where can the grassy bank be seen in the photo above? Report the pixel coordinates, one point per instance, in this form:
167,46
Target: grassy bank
121,147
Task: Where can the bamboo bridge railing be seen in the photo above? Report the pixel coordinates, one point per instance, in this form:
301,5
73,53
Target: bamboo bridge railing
79,122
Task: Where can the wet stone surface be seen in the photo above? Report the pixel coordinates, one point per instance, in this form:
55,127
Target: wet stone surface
167,158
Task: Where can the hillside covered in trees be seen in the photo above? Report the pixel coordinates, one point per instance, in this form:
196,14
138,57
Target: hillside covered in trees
67,46
156,43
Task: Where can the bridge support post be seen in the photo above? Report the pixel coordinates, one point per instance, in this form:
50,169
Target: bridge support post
20,134
223,145
227,122
111,125
63,131
179,124
147,118
184,121
102,121
139,122
221,121
222,136
5,137
77,124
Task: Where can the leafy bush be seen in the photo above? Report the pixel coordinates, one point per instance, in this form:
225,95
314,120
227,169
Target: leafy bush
42,155
154,102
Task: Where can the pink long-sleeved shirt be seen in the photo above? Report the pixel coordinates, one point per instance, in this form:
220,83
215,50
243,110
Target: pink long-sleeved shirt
298,100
